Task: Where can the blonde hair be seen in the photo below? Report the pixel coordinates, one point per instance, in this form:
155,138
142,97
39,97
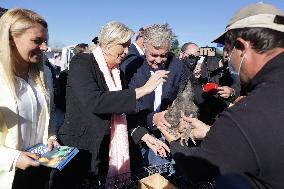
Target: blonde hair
14,23
114,33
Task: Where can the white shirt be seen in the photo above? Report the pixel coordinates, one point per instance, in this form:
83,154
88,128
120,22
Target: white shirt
139,49
30,101
158,96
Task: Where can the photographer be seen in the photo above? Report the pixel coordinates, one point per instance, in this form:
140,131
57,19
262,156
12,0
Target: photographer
220,87
189,55
216,69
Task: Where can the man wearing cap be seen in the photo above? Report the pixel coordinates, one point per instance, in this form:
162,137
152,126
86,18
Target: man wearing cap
248,138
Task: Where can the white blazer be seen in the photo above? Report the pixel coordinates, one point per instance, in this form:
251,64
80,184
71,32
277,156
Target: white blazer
9,139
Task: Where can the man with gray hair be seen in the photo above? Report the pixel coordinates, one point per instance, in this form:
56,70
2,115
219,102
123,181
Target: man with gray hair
156,39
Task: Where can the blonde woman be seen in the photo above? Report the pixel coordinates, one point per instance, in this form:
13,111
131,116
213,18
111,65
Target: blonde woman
95,103
24,99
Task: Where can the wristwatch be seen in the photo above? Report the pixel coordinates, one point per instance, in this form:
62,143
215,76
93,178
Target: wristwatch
233,93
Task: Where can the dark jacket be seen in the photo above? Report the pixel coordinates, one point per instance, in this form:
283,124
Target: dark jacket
129,63
246,138
175,82
60,100
89,106
211,104
132,50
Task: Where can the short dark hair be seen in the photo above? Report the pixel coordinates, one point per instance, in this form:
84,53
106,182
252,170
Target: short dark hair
95,40
262,39
140,33
81,47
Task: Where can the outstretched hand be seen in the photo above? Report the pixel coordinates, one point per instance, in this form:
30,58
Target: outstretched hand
159,119
167,134
157,78
159,147
198,128
225,91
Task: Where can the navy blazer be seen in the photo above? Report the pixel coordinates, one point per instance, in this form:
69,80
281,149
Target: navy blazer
140,71
132,50
133,53
131,62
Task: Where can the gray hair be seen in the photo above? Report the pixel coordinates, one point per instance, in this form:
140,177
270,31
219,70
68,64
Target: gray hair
114,33
157,35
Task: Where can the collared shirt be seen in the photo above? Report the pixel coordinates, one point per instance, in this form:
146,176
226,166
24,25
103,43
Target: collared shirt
30,101
139,49
158,95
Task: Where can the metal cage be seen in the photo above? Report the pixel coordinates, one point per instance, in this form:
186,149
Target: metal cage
130,180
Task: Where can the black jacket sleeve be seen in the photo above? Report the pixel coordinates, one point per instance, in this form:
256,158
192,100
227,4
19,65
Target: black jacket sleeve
137,133
225,150
85,78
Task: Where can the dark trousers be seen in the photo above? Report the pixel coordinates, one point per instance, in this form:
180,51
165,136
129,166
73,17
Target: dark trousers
235,181
79,173
32,178
75,175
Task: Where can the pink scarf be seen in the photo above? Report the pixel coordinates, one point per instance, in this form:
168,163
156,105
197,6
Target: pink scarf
119,161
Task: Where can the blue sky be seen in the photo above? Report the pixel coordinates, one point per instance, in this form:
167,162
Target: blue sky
72,22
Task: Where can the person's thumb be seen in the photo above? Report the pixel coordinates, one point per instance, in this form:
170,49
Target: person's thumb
31,155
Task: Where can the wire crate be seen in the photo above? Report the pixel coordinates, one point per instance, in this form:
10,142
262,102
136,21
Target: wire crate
130,180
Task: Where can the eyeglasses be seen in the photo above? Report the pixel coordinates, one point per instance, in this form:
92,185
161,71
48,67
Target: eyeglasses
191,56
188,55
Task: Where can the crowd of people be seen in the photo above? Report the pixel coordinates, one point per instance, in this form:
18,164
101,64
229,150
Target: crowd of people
112,101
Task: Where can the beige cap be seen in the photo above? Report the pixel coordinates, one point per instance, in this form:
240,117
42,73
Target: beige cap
255,15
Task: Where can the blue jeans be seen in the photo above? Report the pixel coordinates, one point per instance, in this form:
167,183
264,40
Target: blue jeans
154,159
150,159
